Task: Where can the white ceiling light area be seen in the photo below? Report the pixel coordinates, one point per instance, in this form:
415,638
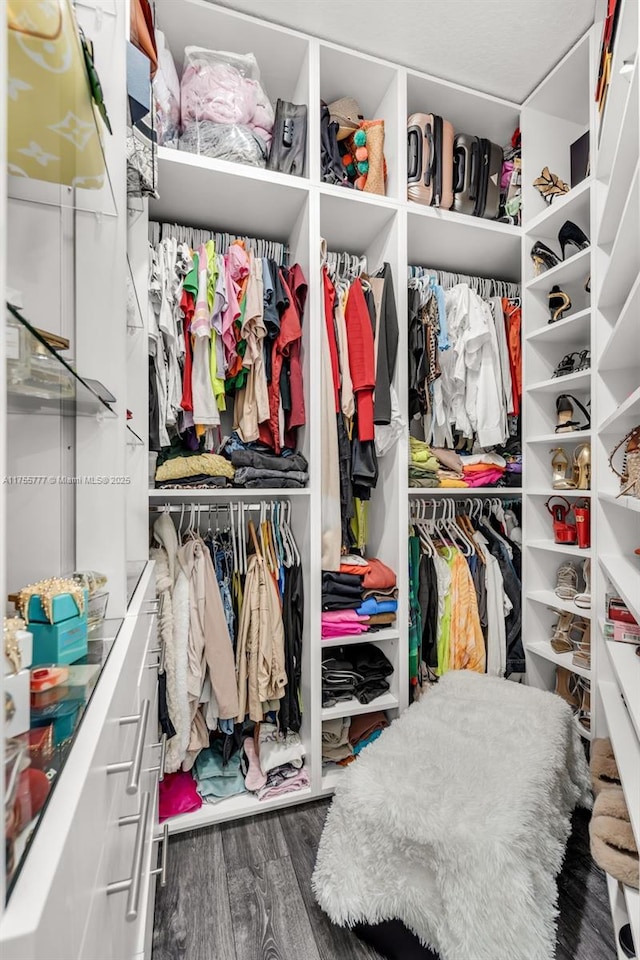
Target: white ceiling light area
501,47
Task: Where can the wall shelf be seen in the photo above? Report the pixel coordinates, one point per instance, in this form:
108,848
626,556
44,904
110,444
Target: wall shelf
571,330
574,268
626,502
377,636
353,707
574,205
626,747
549,599
624,574
581,380
542,648
225,493
571,550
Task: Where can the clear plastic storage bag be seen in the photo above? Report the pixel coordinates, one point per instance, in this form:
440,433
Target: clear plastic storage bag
225,110
166,95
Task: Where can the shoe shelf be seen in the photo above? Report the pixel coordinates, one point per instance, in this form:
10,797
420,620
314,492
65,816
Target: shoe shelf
550,492
574,205
626,502
624,256
572,331
376,637
623,166
549,599
570,549
626,667
581,380
626,747
542,648
560,439
619,912
625,51
623,344
624,574
353,707
625,416
570,270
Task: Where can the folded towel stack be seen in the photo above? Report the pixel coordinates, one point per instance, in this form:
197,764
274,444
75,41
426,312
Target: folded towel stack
360,597
358,671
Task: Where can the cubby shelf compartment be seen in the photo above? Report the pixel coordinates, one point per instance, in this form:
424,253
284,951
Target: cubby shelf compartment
376,637
625,501
581,380
624,574
550,492
331,778
542,648
622,348
549,599
574,205
243,199
559,439
568,271
626,747
225,493
353,707
574,330
625,50
624,259
571,549
232,808
623,165
625,665
624,416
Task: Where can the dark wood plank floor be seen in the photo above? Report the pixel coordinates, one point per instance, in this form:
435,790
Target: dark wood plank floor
242,891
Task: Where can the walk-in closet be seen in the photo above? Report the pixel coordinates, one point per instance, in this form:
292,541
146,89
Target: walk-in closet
320,480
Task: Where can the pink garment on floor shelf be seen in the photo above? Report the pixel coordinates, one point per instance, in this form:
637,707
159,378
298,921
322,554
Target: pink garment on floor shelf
299,782
177,794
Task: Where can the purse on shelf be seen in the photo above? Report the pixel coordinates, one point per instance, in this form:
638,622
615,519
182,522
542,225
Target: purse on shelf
630,474
288,147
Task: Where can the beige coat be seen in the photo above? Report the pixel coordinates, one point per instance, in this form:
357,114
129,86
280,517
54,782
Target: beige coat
260,665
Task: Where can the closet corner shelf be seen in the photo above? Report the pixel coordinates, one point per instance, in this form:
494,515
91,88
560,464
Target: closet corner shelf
225,493
624,574
246,199
464,220
624,258
560,439
353,707
569,549
626,502
628,409
232,808
627,670
574,329
542,648
622,348
549,599
563,208
376,637
581,380
426,493
572,269
626,747
70,396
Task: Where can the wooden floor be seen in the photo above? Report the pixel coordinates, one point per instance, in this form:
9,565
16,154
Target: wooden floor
242,891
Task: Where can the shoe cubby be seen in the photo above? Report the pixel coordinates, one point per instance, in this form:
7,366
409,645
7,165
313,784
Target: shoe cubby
282,56
539,471
376,88
542,417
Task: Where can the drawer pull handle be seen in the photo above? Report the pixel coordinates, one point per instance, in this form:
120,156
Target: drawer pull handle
161,871
163,754
134,884
134,765
159,666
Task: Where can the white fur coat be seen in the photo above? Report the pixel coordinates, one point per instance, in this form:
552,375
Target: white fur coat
456,819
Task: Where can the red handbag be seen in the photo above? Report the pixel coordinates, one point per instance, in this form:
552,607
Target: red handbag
563,530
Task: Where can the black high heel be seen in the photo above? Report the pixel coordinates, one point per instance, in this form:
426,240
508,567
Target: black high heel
564,409
542,256
559,303
571,233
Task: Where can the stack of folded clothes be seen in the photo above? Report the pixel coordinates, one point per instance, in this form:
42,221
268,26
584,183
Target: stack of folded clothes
256,465
483,469
423,466
196,470
345,737
273,763
360,597
215,779
358,671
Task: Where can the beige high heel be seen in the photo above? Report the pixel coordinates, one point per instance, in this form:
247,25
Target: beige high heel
582,467
560,466
567,687
584,710
582,653
561,641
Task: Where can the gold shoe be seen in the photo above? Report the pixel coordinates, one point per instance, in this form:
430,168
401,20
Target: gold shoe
560,466
582,467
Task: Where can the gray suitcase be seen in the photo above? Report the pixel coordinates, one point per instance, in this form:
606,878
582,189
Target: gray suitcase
477,169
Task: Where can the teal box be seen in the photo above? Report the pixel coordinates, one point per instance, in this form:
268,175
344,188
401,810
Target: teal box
63,641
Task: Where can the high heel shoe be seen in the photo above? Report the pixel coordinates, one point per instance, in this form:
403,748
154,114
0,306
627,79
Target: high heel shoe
564,410
567,365
559,303
566,581
582,466
582,644
549,185
570,233
584,599
567,687
561,641
543,257
560,466
584,710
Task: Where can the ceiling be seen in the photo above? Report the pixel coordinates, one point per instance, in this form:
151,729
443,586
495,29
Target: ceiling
502,47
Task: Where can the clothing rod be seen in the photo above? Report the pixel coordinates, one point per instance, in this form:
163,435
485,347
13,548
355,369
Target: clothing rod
195,236
447,279
206,507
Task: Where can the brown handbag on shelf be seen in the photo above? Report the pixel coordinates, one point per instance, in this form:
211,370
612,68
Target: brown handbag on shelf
630,475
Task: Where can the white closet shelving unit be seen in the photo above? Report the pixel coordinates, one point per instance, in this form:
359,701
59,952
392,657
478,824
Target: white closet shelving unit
198,191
